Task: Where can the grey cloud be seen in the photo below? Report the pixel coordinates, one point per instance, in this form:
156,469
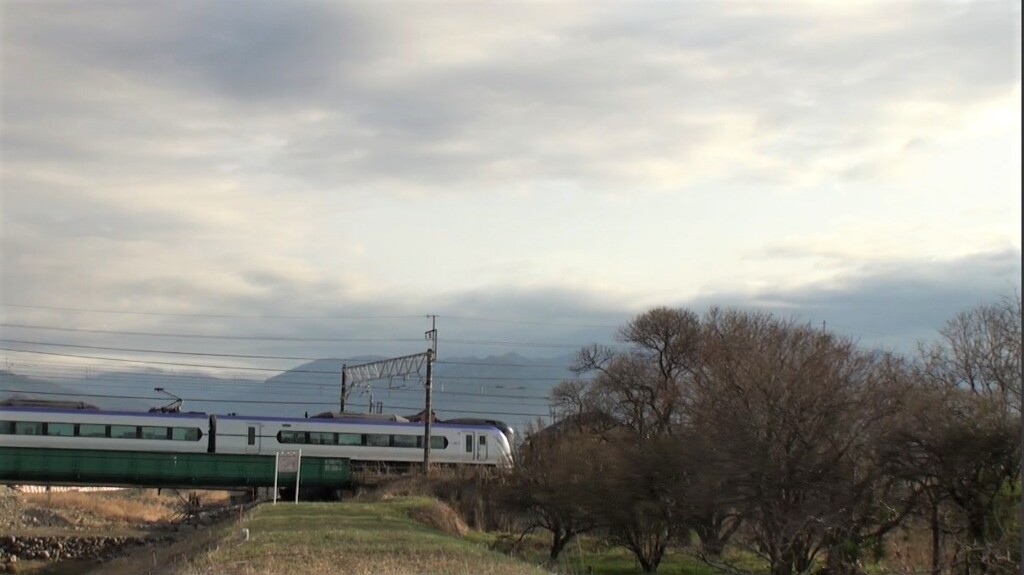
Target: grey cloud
138,94
533,111
892,304
67,214
260,50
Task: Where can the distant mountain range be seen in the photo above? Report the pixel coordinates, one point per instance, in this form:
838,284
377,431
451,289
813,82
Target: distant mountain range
14,386
510,387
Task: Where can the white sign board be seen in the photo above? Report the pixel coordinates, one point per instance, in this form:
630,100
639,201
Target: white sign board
288,462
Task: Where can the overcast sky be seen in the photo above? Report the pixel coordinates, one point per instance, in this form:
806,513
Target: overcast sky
533,173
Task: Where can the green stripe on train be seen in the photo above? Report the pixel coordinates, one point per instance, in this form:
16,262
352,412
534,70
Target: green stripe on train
156,469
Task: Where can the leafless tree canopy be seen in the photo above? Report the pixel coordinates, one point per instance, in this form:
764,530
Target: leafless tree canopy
788,441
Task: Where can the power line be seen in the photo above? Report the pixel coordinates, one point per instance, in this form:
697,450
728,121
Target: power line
78,373
325,390
75,375
253,356
322,316
218,337
290,339
491,364
277,392
527,322
263,369
210,315
169,352
253,402
153,362
514,343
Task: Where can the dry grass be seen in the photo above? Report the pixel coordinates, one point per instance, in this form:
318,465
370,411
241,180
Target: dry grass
129,506
470,492
439,516
103,506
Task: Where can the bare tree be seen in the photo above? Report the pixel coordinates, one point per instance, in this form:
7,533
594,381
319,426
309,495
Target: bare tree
980,351
963,442
553,481
646,387
796,442
796,413
636,503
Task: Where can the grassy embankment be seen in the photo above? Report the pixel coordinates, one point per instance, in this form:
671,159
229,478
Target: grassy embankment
408,535
400,536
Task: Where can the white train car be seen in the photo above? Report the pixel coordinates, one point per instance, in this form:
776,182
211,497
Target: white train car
364,441
42,427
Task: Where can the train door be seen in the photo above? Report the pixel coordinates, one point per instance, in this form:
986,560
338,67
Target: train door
253,433
476,446
481,447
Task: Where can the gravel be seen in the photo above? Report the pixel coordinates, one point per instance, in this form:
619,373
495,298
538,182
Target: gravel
12,508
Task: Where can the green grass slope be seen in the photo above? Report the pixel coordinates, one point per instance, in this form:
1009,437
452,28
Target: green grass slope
378,538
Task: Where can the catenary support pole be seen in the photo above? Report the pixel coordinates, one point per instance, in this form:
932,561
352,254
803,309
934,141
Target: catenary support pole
428,413
344,388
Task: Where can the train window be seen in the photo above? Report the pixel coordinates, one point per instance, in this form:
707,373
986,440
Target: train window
64,429
321,438
407,441
350,439
436,442
28,428
378,439
155,432
483,440
469,443
92,430
185,434
252,436
124,432
291,437
6,427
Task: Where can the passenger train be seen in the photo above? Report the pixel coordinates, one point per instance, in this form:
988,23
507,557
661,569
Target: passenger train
363,442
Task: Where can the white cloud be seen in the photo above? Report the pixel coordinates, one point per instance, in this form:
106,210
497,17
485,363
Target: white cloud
203,155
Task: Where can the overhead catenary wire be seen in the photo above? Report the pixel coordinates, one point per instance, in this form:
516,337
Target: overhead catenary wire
358,317
262,369
496,396
257,356
284,338
255,402
267,396
497,386
213,337
164,351
210,315
327,316
76,373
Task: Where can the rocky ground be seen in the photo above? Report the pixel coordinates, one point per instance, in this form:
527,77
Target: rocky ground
37,531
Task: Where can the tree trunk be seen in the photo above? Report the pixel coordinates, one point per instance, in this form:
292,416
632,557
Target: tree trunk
558,543
936,540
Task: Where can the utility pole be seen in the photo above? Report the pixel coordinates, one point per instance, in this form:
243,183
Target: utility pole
431,335
429,412
344,387
428,420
